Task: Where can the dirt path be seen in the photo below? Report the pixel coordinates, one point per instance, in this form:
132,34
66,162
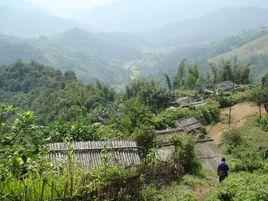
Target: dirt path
240,113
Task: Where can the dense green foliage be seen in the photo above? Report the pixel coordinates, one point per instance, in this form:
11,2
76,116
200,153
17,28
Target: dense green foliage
49,93
263,121
246,157
242,186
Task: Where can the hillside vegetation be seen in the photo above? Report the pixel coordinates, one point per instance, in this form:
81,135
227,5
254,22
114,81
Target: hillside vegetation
254,53
66,110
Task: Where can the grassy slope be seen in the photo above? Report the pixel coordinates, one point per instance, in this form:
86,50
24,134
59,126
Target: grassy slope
254,134
258,46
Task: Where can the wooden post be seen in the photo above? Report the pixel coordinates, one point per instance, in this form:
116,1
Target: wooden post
43,190
52,191
230,115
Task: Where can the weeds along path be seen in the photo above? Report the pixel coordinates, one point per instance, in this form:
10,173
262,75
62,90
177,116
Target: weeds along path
240,113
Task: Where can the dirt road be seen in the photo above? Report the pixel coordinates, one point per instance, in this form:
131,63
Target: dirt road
239,115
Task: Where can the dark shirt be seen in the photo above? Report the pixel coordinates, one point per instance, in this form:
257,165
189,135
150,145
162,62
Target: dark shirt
223,167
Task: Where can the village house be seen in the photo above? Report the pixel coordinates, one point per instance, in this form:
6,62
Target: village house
182,102
91,154
226,87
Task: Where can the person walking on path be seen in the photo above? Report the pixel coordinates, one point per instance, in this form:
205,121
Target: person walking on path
223,169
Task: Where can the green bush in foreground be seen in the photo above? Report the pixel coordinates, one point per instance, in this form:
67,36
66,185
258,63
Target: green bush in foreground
263,122
247,158
241,187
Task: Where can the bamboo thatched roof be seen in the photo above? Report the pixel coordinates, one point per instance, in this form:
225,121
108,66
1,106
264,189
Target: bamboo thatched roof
188,124
199,103
182,102
227,86
90,154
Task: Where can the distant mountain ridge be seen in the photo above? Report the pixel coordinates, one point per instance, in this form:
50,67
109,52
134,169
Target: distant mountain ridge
90,55
145,15
116,57
212,27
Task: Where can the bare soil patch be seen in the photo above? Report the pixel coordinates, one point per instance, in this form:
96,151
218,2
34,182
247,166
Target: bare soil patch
239,115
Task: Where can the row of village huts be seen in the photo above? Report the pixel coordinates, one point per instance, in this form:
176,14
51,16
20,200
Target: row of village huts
226,88
127,153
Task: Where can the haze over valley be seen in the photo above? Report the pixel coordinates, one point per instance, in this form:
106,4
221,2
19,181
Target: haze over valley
120,40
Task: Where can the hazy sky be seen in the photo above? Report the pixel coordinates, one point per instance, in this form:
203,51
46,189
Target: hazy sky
68,7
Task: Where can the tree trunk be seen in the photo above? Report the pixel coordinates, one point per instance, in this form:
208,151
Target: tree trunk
266,107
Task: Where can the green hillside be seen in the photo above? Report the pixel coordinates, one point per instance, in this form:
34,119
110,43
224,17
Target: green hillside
47,91
91,56
254,53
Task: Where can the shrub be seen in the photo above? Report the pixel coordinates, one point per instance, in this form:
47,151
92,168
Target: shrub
185,154
174,192
263,122
192,181
158,172
247,158
232,139
145,137
242,186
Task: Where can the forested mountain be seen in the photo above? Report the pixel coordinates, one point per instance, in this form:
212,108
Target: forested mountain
202,55
90,55
117,57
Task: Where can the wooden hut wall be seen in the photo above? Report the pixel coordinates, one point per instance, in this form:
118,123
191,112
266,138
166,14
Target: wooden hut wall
208,153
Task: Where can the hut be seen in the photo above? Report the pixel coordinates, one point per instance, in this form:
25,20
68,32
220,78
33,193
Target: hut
165,135
199,103
183,127
90,154
182,102
227,87
188,124
207,153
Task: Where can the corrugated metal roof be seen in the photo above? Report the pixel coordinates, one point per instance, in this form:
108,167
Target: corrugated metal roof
89,154
188,124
